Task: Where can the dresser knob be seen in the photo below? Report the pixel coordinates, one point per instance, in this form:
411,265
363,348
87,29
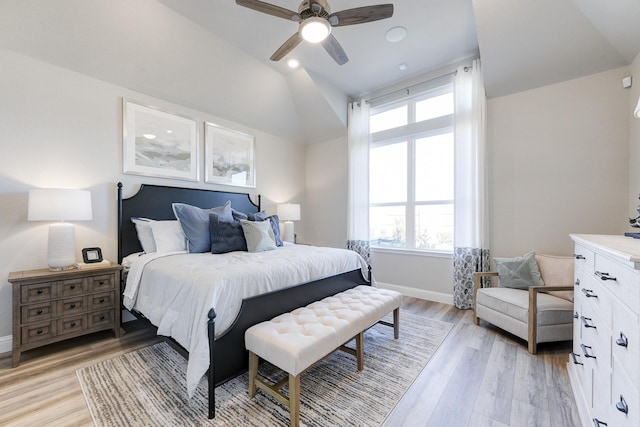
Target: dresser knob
575,315
622,341
73,324
575,359
39,291
622,405
578,256
589,293
39,331
586,352
101,282
604,276
586,322
39,312
72,305
72,287
598,423
577,282
101,300
101,317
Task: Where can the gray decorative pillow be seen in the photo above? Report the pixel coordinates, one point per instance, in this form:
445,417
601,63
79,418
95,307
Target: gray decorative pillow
258,235
226,236
519,273
259,216
195,224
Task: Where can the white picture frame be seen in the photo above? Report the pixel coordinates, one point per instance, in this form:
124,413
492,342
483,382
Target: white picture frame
159,143
229,156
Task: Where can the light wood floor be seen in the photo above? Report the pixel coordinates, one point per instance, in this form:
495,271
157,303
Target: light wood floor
479,376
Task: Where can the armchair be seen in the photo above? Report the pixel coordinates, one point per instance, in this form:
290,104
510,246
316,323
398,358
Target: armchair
537,314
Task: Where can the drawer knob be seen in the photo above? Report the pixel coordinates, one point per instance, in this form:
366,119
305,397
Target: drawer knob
102,317
578,256
598,423
39,291
101,300
622,405
101,282
39,311
622,341
73,324
577,282
589,293
586,352
588,322
72,287
39,331
575,359
575,315
604,276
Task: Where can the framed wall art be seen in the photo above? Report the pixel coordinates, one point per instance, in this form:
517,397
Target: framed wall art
159,143
229,156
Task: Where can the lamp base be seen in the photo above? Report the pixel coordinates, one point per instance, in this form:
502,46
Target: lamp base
61,246
288,234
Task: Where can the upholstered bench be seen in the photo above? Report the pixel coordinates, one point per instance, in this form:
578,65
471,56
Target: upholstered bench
295,341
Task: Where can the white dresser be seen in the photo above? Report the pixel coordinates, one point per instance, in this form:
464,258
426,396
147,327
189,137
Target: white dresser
604,367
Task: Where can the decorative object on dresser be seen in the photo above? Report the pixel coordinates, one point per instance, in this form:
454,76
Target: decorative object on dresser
533,299
53,306
52,204
604,367
289,212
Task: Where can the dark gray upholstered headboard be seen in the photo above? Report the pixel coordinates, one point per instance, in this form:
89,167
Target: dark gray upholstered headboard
154,201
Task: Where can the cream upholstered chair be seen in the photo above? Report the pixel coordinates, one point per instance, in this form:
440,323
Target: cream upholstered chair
551,318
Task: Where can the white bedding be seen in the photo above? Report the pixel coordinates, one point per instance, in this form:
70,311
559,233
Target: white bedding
175,291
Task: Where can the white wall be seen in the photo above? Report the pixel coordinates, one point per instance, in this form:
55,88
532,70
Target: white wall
559,164
62,129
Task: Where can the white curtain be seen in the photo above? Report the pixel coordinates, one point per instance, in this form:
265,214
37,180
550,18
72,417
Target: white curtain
358,208
471,245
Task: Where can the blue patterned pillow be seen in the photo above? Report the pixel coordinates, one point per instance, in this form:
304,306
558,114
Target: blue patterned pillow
226,236
195,224
275,227
260,216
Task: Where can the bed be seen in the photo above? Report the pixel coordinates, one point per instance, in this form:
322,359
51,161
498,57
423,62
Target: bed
221,325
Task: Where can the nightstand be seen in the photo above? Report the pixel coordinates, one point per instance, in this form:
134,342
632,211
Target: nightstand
51,306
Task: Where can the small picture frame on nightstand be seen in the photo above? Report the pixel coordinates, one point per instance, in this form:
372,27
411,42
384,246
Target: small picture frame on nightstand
91,255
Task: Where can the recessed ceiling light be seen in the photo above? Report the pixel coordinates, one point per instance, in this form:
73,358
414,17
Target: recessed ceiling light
402,67
149,136
293,63
396,34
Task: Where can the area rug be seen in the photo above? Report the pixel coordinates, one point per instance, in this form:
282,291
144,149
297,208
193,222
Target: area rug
147,387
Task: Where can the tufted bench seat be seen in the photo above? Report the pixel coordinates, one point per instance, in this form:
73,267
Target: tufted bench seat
294,341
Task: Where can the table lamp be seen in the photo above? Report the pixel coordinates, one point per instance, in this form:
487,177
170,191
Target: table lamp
50,204
289,212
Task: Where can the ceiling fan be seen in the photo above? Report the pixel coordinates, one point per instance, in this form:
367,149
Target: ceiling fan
316,20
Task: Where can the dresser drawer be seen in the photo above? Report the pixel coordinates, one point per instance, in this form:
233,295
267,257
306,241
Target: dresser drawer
37,332
596,298
100,318
37,312
584,258
595,340
72,324
36,292
602,395
624,283
626,342
624,398
101,300
101,283
70,306
71,287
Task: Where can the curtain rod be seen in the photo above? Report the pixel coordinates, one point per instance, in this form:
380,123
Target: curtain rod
408,88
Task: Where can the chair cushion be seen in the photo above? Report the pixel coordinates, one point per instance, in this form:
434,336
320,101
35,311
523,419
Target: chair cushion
515,304
557,271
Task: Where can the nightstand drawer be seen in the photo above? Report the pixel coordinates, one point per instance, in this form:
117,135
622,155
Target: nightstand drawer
72,324
102,300
69,306
36,292
99,318
37,332
101,283
71,287
37,312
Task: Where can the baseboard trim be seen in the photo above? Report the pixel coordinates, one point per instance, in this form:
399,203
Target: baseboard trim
418,293
5,344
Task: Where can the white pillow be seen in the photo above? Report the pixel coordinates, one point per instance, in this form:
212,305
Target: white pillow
168,236
145,234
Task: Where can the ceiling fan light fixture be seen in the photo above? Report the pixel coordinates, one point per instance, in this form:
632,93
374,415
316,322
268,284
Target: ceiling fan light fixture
293,63
315,29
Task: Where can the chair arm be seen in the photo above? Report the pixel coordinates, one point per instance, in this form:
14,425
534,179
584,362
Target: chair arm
477,278
533,311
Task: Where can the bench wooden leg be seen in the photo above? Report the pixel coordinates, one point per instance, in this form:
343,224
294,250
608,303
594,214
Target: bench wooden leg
253,373
360,350
396,323
294,400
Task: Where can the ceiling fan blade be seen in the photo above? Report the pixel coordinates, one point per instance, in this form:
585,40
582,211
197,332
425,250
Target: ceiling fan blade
334,49
270,9
360,15
287,47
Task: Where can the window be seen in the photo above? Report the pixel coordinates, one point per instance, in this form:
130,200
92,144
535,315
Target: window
411,172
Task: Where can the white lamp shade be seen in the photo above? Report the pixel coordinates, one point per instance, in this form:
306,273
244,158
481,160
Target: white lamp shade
52,204
315,29
289,212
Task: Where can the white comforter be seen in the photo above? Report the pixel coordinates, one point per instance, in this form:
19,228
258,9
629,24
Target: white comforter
175,291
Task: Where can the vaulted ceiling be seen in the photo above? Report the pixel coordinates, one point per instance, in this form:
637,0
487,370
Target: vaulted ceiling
213,55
